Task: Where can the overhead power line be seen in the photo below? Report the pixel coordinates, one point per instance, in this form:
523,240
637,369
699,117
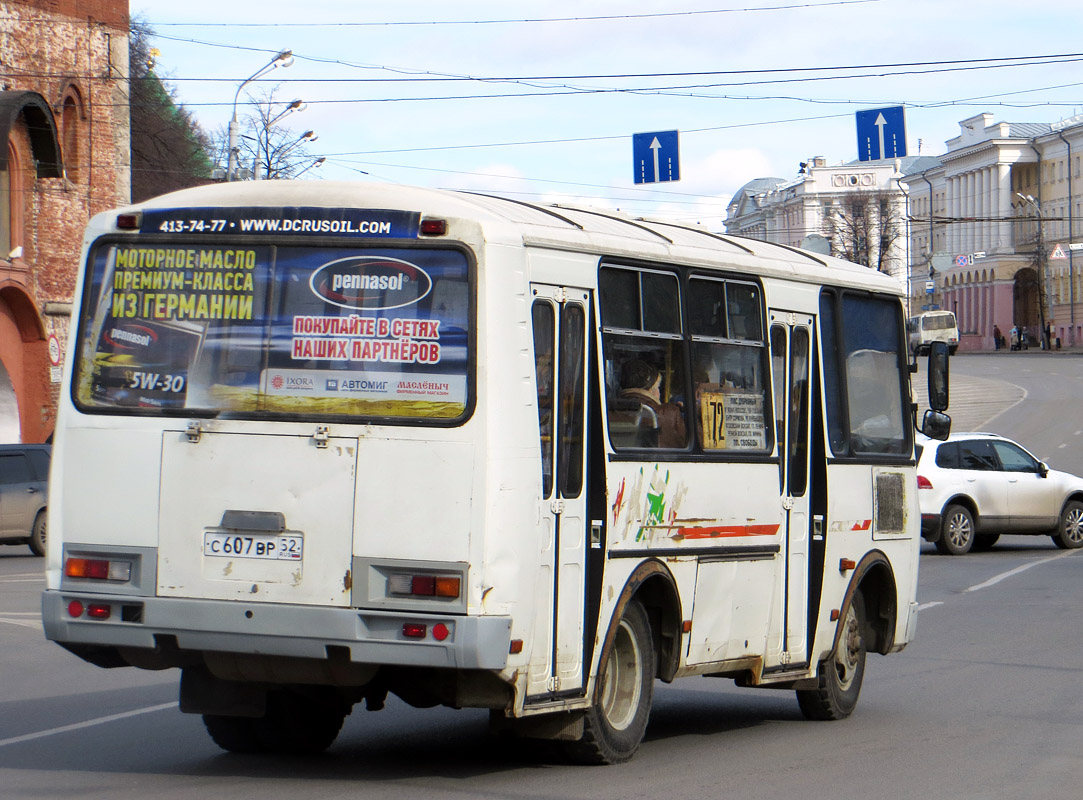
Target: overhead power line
528,21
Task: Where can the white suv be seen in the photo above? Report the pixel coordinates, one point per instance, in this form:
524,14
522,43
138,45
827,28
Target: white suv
975,486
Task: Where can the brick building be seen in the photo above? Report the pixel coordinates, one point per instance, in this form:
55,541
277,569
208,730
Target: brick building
64,156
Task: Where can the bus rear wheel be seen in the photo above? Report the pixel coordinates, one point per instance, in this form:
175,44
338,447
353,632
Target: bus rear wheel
841,674
616,721
295,724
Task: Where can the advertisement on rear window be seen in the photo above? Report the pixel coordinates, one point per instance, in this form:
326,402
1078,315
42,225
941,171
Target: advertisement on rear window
293,330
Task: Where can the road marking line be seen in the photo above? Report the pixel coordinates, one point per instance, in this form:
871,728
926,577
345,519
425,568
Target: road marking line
1026,394
88,724
932,604
998,578
35,625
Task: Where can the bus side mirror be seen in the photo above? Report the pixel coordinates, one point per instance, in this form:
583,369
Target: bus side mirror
936,425
938,376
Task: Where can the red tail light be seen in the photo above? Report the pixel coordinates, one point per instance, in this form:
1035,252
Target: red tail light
924,483
98,611
424,585
98,569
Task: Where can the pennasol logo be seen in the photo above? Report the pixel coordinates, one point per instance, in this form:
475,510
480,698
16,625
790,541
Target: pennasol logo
128,337
370,282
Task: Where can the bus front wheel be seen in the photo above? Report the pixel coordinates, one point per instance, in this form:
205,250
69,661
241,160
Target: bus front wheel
616,721
841,674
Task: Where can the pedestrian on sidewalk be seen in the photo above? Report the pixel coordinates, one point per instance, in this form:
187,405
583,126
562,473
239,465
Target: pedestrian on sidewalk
998,338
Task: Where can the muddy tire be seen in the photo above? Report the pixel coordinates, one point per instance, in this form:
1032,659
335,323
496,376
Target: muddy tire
615,723
842,673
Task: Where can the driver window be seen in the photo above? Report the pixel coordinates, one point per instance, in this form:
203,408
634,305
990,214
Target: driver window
1015,459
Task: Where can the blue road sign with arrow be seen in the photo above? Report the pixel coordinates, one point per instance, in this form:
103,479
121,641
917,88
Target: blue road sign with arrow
656,156
881,133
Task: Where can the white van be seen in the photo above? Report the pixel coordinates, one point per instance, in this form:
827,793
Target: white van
932,326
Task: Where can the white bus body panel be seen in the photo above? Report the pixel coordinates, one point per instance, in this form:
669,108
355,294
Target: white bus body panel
465,495
311,487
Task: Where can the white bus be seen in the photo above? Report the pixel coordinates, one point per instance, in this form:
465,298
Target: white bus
932,326
321,441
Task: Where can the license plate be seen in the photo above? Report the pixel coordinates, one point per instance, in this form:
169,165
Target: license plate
284,547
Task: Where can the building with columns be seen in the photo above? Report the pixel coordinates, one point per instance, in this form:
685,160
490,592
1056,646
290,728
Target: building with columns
855,210
991,230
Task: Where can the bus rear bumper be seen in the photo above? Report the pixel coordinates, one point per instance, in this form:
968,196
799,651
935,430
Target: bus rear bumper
194,626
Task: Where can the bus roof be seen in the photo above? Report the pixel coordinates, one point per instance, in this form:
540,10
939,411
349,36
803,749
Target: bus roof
601,231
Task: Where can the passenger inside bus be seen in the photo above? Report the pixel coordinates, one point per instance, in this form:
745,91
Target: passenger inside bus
640,409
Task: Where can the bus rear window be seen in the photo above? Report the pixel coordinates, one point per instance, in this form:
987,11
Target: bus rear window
274,330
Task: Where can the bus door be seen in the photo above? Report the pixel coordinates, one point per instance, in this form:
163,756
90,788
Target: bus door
791,345
559,316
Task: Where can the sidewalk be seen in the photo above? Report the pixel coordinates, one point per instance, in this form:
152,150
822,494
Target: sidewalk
1077,350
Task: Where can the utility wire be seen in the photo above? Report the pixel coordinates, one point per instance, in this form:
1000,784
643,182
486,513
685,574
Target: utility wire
598,18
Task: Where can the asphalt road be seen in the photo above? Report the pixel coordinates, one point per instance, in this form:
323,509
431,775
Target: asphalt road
985,704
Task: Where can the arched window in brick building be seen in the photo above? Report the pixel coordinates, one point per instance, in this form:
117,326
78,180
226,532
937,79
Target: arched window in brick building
12,194
71,131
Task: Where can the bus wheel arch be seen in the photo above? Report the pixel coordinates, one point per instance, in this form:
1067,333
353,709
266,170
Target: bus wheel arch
875,581
654,587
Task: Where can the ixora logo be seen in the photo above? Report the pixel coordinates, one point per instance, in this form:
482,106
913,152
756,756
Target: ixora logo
370,282
295,383
129,337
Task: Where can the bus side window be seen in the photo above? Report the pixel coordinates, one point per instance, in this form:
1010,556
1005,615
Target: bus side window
728,357
646,382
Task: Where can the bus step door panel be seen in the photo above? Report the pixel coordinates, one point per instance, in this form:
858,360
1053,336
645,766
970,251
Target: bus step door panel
257,517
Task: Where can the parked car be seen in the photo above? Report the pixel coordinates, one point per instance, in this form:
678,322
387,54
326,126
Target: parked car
975,486
24,492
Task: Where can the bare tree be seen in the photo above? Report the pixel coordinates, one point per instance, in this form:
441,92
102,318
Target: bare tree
267,149
866,228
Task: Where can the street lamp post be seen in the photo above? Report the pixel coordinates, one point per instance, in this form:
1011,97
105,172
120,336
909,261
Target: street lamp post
1030,201
280,154
318,162
283,59
265,139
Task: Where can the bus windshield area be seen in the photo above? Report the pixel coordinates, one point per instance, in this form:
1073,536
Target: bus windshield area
260,330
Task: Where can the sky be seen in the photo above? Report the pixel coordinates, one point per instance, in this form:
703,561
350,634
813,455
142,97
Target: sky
539,101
